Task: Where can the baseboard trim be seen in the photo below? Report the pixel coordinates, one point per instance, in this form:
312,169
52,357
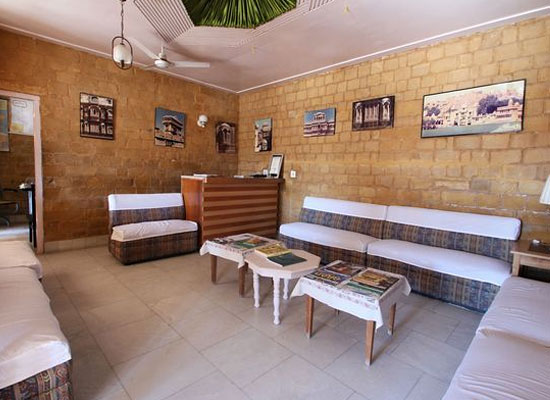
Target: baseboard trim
75,244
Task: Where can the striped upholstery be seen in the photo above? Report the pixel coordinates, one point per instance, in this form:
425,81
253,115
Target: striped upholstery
482,245
52,384
366,226
122,217
133,251
327,254
467,293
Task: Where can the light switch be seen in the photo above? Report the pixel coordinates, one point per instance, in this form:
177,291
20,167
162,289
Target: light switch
292,174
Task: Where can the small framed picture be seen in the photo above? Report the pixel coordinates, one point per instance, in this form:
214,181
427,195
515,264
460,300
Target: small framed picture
97,116
275,165
373,114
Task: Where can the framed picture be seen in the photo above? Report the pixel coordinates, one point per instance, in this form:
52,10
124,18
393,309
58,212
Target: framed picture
169,128
484,109
97,115
373,114
225,137
262,135
4,125
275,165
21,118
320,122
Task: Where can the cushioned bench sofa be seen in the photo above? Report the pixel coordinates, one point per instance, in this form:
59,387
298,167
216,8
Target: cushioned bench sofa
509,357
461,258
149,226
35,358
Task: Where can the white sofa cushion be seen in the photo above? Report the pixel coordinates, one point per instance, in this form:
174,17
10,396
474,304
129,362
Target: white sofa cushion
345,207
141,201
327,236
30,338
473,224
19,254
148,229
501,367
521,308
451,262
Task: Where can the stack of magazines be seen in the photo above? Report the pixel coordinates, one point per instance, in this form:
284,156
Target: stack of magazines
335,274
370,282
279,254
242,242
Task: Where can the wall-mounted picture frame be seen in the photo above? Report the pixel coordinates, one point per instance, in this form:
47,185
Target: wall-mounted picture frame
97,115
21,117
226,138
4,125
263,134
169,128
320,122
373,114
495,108
275,165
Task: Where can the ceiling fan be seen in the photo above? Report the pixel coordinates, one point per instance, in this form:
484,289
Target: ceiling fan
161,59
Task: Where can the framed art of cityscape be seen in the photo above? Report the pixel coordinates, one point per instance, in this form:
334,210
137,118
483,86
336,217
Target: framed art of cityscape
97,116
372,114
493,108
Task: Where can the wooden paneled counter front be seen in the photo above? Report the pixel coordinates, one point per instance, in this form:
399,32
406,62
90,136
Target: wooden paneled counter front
228,206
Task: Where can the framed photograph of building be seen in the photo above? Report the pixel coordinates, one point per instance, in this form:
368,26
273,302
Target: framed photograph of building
373,114
320,122
97,116
262,135
484,109
226,137
169,128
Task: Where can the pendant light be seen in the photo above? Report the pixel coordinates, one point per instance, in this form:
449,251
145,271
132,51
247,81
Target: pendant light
121,49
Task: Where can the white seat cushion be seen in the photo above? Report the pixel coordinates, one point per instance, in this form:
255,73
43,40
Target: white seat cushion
18,254
521,308
345,207
451,262
148,229
327,236
142,201
30,338
502,367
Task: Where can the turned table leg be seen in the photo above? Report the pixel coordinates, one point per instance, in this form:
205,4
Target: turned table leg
285,289
276,300
213,267
242,278
392,319
310,305
369,341
256,286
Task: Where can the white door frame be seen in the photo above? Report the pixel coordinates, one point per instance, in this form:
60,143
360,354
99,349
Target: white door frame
38,181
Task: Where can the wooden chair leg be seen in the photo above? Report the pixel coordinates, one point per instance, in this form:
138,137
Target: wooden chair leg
310,305
392,319
242,279
369,341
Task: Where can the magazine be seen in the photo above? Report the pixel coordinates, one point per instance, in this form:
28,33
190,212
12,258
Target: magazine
286,259
375,280
344,268
272,250
328,277
246,242
336,273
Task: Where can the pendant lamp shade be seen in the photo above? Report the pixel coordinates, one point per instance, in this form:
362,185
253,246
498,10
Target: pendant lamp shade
121,49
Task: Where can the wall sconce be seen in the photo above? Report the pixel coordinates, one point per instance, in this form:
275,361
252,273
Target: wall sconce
202,121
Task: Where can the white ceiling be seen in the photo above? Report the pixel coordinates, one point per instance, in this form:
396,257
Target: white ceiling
337,33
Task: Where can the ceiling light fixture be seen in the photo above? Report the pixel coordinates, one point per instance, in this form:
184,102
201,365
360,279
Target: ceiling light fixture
121,49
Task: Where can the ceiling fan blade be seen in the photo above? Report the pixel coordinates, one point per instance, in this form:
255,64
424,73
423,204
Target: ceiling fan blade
190,64
149,53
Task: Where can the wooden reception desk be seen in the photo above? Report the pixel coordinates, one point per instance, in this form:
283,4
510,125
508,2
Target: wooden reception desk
228,206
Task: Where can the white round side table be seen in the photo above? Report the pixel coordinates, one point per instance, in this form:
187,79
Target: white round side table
261,266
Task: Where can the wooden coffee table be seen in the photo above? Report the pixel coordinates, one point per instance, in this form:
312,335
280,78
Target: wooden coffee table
261,266
524,256
376,311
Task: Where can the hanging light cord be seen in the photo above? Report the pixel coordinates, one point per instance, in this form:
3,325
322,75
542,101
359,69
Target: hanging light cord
122,18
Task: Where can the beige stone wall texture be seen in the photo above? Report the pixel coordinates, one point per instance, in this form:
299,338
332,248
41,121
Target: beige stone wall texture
80,172
500,174
16,166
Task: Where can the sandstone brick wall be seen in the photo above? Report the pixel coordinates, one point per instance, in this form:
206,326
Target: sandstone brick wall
16,166
499,174
80,172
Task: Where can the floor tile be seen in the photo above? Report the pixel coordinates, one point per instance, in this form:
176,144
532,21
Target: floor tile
456,312
262,318
428,388
106,317
431,356
209,327
213,387
175,308
385,379
246,356
462,336
136,338
163,372
93,377
325,345
296,379
97,297
432,324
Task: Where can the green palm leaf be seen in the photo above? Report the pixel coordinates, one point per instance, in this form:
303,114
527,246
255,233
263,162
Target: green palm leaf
236,13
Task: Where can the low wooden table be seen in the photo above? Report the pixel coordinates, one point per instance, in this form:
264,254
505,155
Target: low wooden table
524,256
261,266
229,253
374,310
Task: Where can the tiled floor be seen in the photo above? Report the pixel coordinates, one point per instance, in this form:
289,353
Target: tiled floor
16,231
162,330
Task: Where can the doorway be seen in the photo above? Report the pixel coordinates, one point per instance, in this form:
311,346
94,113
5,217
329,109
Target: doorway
21,186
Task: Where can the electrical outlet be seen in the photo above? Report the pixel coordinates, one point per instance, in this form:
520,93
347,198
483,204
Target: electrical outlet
292,174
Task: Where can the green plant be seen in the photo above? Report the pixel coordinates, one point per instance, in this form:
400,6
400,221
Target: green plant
246,14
